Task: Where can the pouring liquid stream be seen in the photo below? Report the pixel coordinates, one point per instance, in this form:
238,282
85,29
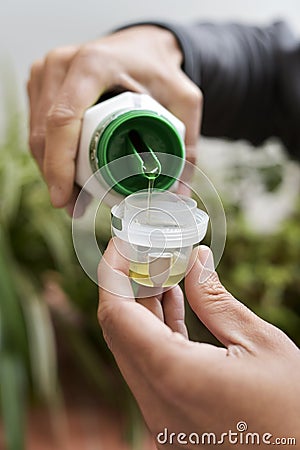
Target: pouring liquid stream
159,270
151,182
150,164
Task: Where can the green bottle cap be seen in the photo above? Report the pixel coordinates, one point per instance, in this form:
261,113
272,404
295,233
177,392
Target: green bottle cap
157,135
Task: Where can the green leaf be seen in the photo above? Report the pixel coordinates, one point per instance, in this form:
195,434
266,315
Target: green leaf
12,324
41,342
88,359
12,174
12,381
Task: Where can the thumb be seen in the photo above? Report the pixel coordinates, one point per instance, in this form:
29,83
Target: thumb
227,318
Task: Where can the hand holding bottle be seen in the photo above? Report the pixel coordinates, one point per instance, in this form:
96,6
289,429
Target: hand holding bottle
62,86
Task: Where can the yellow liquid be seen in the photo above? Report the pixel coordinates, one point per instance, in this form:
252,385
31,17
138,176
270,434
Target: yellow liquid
139,272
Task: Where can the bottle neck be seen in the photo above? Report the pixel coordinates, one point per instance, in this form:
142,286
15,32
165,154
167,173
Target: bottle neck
143,134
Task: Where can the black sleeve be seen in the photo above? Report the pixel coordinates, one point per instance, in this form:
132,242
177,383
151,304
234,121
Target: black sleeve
250,79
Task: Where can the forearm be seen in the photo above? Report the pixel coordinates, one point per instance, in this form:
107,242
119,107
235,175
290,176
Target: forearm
249,79
235,68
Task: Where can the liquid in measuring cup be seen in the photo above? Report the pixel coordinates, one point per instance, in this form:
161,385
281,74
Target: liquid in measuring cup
140,272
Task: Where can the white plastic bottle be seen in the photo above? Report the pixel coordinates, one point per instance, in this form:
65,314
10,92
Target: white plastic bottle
116,133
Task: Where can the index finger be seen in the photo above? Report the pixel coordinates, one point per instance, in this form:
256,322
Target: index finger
134,334
82,87
186,104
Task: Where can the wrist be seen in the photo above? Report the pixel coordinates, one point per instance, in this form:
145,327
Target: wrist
162,36
169,40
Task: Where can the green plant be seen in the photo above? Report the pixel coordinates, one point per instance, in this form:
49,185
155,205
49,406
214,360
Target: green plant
35,247
263,270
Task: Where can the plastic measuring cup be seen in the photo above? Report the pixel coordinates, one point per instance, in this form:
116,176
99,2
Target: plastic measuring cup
158,238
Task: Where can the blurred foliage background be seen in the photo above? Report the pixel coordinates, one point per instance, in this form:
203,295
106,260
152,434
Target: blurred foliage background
50,341
48,325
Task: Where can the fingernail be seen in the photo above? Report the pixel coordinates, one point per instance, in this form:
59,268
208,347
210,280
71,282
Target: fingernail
206,259
56,196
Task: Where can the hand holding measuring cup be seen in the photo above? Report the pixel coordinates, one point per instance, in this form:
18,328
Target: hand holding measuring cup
187,389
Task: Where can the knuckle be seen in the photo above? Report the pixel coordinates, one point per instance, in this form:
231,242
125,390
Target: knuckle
107,312
53,56
163,76
103,315
60,116
90,56
87,51
198,95
36,68
104,319
59,55
108,315
92,51
36,142
213,290
193,97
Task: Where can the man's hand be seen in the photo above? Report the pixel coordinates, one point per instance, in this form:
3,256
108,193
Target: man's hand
144,59
191,387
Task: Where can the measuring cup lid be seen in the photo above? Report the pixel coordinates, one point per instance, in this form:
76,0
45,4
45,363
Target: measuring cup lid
171,221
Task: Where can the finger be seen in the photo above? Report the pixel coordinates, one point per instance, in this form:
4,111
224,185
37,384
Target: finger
183,189
173,309
186,104
153,304
55,69
82,87
227,318
77,206
136,337
34,86
186,178
113,273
